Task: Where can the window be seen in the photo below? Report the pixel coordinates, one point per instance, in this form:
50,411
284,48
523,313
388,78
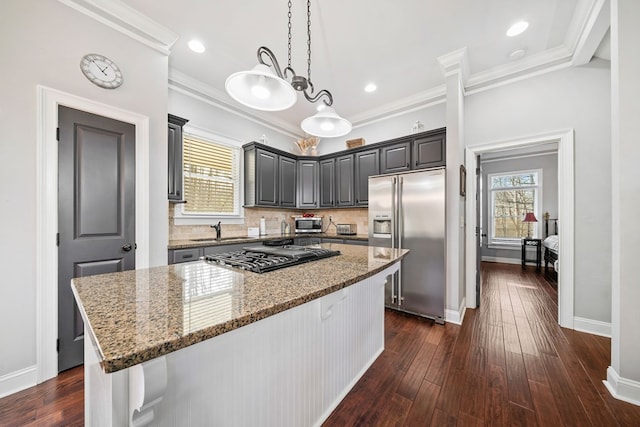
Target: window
512,195
211,178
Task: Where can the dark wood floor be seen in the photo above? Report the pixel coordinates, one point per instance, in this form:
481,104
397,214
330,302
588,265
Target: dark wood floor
509,364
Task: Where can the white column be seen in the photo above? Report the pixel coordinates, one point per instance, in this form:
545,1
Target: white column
454,67
623,376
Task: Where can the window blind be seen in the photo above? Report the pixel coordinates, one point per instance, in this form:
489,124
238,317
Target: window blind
211,177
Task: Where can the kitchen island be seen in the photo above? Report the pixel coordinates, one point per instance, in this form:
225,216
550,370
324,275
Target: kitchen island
199,344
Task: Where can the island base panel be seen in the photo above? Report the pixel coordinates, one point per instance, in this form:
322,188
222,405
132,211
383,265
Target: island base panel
289,369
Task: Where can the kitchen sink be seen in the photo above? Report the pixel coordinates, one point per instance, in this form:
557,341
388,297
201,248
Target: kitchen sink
213,239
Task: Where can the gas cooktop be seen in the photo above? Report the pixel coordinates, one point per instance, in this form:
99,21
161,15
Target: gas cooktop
261,259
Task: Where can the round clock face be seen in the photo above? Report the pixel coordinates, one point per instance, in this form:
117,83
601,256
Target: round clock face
101,71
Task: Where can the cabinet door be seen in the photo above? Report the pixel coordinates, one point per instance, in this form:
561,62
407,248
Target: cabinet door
184,255
344,180
174,135
308,184
429,151
367,164
266,178
396,157
287,181
327,183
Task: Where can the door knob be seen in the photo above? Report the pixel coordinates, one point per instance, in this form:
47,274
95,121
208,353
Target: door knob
126,247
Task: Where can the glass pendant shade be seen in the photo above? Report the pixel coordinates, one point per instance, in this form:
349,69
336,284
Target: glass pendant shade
261,88
326,124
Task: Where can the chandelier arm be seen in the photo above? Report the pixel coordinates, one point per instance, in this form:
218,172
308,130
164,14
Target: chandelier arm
262,50
328,102
291,70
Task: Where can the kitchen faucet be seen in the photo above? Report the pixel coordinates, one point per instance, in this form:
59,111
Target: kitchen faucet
218,228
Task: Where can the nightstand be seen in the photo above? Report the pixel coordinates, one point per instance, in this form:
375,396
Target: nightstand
532,243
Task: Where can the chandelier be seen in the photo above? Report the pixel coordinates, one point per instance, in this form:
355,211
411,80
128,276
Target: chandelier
269,88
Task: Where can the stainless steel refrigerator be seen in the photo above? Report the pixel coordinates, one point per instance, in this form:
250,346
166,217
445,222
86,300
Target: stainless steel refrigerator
408,211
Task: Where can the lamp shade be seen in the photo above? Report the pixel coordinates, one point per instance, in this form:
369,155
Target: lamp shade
326,123
261,88
530,217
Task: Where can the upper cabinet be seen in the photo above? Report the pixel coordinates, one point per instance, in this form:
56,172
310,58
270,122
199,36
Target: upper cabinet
287,173
344,180
276,178
429,151
270,177
308,184
327,183
396,157
175,157
367,164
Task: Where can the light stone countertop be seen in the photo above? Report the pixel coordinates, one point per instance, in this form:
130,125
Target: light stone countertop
190,243
138,315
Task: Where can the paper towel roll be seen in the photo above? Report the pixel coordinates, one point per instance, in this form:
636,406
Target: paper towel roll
263,226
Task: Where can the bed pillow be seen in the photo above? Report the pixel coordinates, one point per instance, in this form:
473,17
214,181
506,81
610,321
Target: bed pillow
551,242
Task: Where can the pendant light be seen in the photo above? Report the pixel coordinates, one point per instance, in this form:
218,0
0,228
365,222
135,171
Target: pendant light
266,87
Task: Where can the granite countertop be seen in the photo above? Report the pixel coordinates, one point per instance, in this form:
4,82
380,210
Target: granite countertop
138,315
189,243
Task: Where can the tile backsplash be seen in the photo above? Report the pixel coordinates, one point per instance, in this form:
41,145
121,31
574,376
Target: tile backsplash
273,219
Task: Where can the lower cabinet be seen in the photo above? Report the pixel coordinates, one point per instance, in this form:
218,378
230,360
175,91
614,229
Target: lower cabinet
177,256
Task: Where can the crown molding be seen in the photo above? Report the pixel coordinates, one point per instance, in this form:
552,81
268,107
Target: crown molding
187,85
128,21
594,29
406,105
456,62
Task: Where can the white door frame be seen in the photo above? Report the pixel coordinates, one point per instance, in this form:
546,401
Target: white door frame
565,140
47,211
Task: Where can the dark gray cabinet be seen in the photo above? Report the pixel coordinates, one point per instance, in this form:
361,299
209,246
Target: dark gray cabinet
174,143
269,178
308,184
344,180
177,256
327,183
367,163
429,151
396,158
287,181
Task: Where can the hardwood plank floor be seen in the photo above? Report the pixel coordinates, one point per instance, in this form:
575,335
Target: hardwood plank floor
508,364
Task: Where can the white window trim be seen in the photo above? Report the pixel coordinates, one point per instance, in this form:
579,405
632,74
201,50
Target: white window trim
182,218
537,210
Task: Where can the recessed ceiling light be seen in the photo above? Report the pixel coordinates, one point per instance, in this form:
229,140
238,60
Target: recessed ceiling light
517,54
517,28
196,46
370,87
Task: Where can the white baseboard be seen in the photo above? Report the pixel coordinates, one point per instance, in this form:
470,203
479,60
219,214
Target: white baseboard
18,380
594,327
453,316
622,388
502,260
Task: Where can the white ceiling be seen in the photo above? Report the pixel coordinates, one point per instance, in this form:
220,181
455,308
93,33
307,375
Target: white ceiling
395,44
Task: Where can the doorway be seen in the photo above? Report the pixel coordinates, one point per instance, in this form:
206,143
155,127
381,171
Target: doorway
47,211
565,141
96,212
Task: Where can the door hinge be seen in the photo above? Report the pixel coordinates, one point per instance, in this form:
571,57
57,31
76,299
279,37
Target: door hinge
58,345
57,134
57,239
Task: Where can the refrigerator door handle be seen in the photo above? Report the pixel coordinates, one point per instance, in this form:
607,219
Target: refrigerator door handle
400,232
394,217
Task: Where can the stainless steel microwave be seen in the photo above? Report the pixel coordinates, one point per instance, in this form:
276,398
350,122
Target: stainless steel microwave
311,224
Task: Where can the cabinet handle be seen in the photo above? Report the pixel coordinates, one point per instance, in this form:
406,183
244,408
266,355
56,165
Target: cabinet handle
187,256
416,163
407,164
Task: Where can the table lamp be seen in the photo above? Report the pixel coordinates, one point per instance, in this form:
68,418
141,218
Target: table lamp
529,218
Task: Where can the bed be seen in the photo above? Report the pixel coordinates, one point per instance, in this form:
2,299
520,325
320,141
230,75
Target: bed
551,245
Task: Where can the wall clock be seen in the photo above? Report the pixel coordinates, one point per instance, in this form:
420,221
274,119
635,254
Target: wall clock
101,71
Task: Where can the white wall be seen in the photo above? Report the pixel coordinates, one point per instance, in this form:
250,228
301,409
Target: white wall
223,123
577,98
431,116
47,40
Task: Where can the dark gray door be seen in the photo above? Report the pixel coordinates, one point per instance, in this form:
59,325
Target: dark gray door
96,212
367,164
308,185
267,178
395,158
287,181
327,183
479,234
